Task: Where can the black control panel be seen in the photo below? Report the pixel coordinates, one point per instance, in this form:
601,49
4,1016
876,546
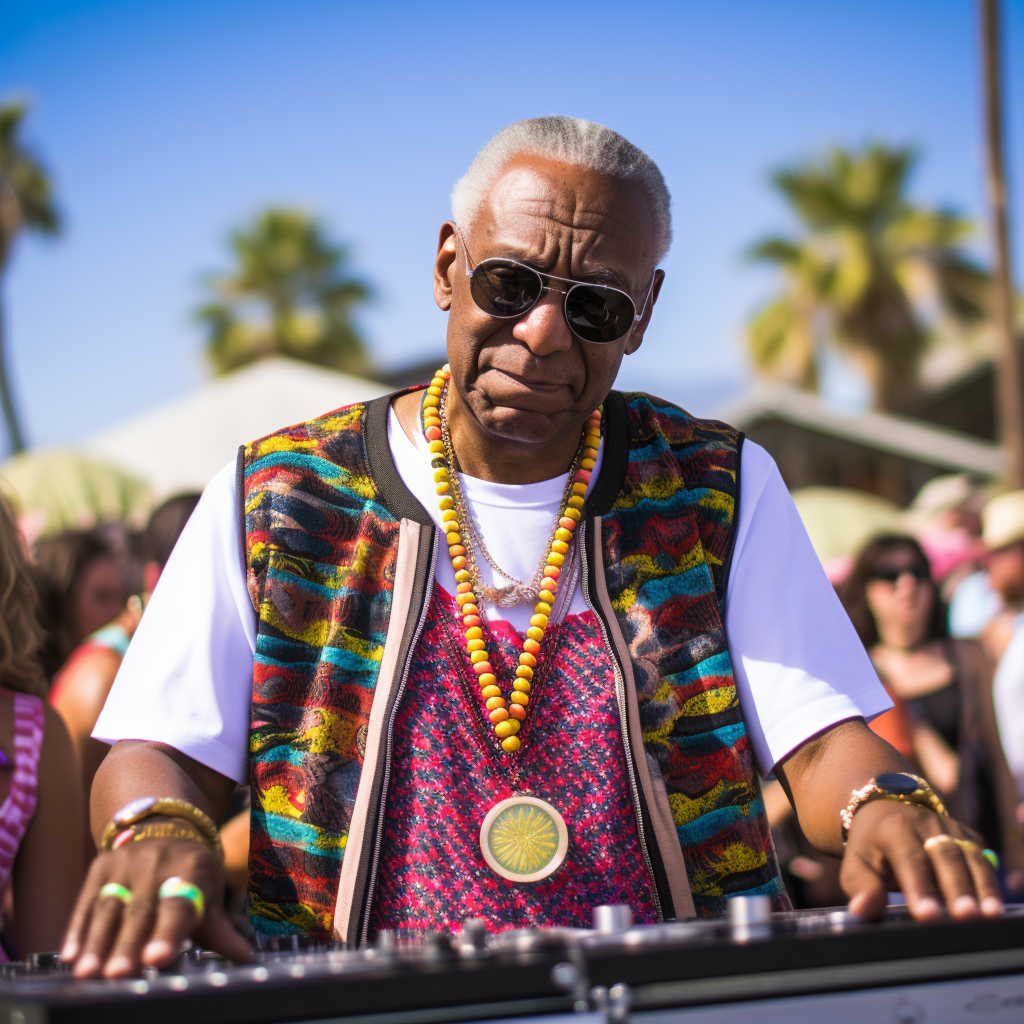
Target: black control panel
613,969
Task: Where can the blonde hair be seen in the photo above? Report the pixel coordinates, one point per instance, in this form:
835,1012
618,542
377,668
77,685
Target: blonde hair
21,636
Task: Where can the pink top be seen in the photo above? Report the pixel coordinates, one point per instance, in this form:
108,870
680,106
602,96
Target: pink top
17,810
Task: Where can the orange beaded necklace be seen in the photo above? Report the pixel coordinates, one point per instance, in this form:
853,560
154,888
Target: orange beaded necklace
505,715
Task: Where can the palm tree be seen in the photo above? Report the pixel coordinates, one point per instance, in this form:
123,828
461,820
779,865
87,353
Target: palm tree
26,203
289,295
870,273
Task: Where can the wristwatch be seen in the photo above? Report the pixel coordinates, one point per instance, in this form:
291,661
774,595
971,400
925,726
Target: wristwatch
902,787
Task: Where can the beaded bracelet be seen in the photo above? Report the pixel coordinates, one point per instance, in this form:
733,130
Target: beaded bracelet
899,786
170,807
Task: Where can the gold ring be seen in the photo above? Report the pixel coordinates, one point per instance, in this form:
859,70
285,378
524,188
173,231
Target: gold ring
967,845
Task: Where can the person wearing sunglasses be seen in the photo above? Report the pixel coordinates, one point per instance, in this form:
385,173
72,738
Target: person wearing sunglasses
507,646
944,716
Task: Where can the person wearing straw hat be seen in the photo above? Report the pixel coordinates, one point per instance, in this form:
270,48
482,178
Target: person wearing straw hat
1003,534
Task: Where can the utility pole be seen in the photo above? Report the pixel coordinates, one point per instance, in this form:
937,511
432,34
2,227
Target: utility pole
1009,400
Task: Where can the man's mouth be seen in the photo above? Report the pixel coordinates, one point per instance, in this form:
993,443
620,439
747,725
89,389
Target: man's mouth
529,383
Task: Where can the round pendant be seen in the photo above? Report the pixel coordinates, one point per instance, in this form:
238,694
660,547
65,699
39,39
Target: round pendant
523,839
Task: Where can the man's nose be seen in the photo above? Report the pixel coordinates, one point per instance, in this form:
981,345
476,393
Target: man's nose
543,328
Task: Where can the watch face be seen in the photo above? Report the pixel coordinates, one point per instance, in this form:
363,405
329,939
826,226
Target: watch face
894,782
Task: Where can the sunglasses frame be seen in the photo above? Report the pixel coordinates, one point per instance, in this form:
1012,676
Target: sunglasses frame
637,317
919,572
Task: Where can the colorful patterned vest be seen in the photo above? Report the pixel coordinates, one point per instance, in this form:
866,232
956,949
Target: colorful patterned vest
325,521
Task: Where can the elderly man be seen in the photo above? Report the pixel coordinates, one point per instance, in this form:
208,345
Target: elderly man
508,647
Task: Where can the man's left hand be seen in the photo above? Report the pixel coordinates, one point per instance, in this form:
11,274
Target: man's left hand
932,859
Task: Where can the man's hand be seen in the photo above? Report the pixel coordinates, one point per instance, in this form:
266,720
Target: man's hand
110,938
886,847
910,848
113,939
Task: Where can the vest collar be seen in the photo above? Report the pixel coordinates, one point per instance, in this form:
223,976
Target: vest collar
404,505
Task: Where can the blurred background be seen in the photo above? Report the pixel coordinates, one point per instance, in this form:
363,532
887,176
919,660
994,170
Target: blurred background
220,217
182,141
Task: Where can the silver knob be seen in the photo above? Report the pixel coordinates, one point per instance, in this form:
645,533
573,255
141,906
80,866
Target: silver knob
611,919
750,910
750,917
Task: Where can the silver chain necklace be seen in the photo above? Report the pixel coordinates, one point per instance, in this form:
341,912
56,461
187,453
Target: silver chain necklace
517,592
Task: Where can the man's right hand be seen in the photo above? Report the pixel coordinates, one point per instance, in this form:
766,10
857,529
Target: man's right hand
111,939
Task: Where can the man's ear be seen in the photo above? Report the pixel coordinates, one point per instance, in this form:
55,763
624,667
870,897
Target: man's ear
636,337
444,266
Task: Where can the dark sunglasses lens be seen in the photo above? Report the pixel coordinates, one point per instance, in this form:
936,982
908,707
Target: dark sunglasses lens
919,572
598,314
504,289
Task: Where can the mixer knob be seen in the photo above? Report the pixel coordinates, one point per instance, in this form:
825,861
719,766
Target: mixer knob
611,919
474,934
750,917
438,946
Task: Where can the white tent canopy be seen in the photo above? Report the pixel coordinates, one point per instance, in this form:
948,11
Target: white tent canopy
182,444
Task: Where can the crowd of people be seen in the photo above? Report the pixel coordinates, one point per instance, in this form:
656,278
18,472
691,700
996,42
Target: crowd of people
946,637
71,605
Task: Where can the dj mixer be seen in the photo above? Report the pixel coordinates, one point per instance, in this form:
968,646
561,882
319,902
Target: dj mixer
806,966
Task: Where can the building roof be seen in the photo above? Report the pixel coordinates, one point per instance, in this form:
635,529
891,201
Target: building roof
182,444
912,439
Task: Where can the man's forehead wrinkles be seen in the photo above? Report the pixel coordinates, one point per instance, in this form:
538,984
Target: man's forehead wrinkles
580,239
580,219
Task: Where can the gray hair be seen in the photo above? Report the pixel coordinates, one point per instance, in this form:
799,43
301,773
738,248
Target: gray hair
573,141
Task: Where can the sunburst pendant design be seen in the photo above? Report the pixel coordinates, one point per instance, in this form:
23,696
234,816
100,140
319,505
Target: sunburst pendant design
523,839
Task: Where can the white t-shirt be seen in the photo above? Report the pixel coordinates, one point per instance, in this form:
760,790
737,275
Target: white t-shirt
1008,697
799,666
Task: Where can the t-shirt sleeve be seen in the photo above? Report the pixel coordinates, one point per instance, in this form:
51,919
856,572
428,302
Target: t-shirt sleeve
186,679
798,662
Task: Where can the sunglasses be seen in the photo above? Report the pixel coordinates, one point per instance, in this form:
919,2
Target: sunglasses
596,313
919,572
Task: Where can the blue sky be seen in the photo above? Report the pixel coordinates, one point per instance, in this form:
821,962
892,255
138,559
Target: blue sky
167,123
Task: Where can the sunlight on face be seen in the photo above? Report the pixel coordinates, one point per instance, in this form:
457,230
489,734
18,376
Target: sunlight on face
530,377
98,597
901,594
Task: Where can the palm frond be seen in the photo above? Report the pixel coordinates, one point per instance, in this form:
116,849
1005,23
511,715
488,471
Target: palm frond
289,293
781,342
24,175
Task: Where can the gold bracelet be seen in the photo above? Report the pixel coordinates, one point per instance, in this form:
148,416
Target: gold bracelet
900,786
157,830
169,807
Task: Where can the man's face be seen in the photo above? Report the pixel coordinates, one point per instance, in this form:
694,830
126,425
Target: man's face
1006,572
530,378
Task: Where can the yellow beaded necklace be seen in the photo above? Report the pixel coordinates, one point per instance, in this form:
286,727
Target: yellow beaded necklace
505,715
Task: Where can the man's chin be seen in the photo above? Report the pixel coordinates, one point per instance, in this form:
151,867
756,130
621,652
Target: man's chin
516,423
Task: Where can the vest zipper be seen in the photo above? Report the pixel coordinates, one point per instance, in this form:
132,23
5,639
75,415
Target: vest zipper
379,835
620,694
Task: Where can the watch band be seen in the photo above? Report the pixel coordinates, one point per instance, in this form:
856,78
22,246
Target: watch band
899,786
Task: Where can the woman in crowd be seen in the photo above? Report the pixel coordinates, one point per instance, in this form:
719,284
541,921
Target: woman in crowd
40,792
81,584
943,719
80,687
